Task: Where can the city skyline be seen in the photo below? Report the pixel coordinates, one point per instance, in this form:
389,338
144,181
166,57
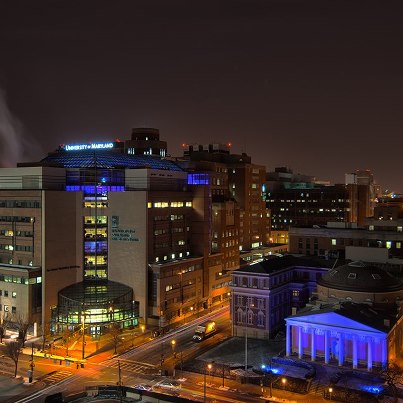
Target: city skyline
309,85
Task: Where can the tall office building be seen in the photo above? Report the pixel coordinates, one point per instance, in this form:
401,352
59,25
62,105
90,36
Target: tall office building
93,234
244,181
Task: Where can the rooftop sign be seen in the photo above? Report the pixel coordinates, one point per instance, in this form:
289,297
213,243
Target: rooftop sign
89,146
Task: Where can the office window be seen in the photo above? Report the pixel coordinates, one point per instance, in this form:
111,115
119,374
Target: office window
14,294
13,309
295,293
334,241
5,293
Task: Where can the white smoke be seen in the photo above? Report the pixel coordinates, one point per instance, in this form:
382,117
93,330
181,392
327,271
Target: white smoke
14,144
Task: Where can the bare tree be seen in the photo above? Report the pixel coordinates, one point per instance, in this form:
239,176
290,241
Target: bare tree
67,335
393,375
23,325
115,331
3,326
13,350
46,334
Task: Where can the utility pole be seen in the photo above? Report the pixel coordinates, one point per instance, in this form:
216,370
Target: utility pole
120,382
31,364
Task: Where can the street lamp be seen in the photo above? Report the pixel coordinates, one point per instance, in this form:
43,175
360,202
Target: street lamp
330,393
209,366
173,344
283,381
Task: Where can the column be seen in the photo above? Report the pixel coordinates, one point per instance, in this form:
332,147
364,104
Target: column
384,358
326,347
288,340
300,349
369,365
313,344
355,352
341,349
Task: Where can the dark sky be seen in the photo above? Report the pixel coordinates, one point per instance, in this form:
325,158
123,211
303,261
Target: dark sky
313,85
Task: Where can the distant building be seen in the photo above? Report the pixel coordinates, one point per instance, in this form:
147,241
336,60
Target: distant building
384,230
299,200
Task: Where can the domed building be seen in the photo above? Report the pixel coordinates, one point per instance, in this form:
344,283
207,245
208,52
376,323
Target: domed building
355,322
359,282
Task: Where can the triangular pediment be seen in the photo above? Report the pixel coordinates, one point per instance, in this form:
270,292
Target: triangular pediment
332,319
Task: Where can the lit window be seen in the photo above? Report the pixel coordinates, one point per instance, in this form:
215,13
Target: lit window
399,229
295,293
334,242
398,245
388,244
14,294
371,227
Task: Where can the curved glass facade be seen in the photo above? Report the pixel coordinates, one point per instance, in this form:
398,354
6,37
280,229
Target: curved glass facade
95,304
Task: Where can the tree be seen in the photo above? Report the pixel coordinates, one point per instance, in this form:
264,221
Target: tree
46,334
67,335
23,325
393,375
13,350
115,331
3,326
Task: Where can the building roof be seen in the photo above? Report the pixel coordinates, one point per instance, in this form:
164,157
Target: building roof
106,159
360,277
276,263
375,317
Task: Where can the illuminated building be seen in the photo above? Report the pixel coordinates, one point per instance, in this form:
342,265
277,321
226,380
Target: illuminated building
348,334
106,235
244,182
381,235
146,141
265,293
299,200
356,319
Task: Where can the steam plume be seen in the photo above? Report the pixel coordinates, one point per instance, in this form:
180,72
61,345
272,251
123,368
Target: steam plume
14,146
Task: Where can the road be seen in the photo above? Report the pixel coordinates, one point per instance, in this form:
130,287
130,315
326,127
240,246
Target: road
142,365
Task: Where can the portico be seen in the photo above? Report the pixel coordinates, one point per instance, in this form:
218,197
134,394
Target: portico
331,335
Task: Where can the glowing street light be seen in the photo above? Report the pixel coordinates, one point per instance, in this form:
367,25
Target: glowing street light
330,393
173,344
209,367
283,381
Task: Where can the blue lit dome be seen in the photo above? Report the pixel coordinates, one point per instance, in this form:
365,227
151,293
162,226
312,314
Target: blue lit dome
106,159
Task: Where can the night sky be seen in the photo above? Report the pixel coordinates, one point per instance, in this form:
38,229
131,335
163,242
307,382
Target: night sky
313,85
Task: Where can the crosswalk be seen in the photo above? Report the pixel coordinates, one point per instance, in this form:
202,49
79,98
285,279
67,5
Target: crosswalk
134,366
57,376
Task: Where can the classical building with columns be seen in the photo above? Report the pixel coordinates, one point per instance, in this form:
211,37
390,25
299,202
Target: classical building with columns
350,334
